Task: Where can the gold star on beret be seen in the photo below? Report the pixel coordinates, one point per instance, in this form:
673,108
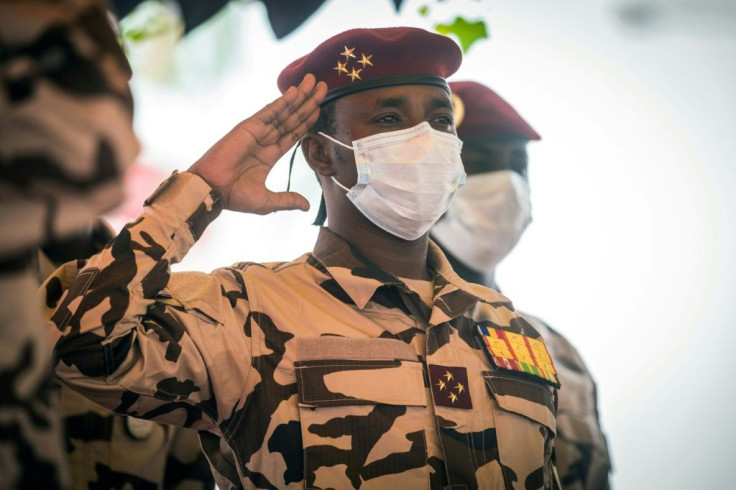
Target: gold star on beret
354,74
348,53
365,60
340,68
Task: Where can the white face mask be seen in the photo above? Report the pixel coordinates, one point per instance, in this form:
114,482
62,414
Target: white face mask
486,219
406,178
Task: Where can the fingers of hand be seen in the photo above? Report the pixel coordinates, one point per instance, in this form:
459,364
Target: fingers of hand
298,123
296,110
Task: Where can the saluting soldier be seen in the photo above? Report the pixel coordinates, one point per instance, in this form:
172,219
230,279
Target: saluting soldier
483,224
367,363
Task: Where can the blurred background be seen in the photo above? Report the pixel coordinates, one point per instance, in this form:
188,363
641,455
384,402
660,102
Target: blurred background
631,251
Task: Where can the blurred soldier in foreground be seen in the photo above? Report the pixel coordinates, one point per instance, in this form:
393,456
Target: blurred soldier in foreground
65,140
366,363
483,224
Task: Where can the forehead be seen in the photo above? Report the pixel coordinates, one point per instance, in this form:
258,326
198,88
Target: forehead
399,97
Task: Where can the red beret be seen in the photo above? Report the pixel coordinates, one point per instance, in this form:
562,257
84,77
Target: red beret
485,112
363,59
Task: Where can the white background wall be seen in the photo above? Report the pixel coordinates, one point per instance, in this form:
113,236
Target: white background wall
631,252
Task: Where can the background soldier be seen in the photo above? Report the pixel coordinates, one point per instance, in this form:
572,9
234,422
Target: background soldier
485,221
367,362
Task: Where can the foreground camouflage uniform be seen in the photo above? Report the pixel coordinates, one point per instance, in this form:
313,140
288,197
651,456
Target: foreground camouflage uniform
65,139
583,461
322,372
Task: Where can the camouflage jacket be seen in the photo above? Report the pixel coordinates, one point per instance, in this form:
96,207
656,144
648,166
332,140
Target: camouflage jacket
324,372
582,456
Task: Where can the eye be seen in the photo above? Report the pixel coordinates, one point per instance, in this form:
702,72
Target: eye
443,121
387,119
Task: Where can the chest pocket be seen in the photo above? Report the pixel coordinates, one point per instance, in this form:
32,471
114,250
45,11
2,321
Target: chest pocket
361,404
524,413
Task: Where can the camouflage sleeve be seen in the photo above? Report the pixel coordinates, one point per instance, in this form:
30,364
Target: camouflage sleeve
142,341
66,132
583,459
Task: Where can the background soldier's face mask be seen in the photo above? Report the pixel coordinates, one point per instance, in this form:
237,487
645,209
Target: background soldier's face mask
406,178
486,219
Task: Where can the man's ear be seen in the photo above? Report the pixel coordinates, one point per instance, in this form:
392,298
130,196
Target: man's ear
317,154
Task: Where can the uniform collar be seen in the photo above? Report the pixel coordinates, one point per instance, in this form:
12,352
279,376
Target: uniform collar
360,278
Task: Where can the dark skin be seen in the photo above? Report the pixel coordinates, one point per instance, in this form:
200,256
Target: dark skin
490,153
357,116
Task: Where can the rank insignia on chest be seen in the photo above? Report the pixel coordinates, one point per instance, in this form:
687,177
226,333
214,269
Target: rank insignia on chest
450,386
515,352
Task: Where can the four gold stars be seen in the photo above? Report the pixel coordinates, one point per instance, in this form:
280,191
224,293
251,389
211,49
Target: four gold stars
353,74
449,386
442,385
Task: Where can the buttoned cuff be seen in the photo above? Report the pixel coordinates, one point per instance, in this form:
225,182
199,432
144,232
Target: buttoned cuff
190,198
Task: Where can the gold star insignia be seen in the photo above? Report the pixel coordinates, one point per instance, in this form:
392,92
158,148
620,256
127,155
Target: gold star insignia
453,397
365,60
441,384
354,74
448,375
348,53
459,387
340,68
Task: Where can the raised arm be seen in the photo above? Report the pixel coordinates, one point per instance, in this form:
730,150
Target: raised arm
139,340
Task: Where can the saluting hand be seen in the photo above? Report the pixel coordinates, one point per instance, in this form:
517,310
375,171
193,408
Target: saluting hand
238,164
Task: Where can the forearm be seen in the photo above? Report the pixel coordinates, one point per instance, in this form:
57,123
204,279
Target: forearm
95,312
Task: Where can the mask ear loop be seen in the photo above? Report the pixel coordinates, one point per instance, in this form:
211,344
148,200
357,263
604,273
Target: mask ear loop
322,212
291,165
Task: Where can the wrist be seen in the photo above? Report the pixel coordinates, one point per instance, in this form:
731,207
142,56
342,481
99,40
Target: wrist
192,198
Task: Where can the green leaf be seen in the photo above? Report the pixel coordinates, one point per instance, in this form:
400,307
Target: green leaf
466,32
424,10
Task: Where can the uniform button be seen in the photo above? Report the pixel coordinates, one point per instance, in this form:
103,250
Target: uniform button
138,428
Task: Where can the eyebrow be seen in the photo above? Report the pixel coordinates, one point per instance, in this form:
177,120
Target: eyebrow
436,103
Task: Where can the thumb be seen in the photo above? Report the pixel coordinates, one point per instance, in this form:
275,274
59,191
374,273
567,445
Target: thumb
284,201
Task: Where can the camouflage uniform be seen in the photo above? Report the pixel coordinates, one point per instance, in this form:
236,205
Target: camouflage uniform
65,139
582,457
106,450
322,372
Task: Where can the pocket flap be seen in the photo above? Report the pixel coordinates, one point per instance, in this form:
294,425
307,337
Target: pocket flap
335,371
524,397
196,291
